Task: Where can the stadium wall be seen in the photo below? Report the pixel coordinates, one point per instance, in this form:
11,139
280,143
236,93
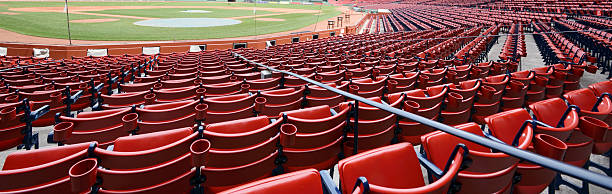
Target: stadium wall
67,51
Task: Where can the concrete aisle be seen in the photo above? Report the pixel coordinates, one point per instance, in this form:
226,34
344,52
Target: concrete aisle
497,47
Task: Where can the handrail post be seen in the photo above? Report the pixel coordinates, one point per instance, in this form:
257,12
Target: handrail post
356,128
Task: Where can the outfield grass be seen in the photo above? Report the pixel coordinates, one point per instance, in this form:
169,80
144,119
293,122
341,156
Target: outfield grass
53,25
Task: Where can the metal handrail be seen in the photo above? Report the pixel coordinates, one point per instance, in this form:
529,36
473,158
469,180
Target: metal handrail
573,171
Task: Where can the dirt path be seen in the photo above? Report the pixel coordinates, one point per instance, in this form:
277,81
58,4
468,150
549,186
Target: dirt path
9,36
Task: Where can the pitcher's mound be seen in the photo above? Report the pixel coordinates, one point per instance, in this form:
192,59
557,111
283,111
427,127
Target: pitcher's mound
195,11
187,22
94,20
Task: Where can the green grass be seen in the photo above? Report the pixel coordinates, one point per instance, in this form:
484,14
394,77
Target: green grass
53,25
176,13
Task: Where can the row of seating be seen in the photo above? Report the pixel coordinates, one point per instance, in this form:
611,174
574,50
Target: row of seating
514,48
164,154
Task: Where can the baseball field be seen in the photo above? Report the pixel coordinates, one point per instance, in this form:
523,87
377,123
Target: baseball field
152,21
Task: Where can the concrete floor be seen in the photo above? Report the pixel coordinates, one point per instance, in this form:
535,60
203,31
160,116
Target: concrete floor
532,60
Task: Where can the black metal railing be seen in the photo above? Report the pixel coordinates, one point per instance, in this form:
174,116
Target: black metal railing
570,170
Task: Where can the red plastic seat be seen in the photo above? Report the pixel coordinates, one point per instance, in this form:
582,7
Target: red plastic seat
231,107
122,100
331,77
291,81
164,163
514,96
178,94
460,74
319,96
223,89
179,83
217,79
167,116
263,84
280,100
601,87
375,127
244,147
459,105
303,181
405,81
152,78
103,126
505,126
318,139
53,98
432,77
11,125
369,87
50,169
551,112
427,105
489,172
585,99
489,98
392,169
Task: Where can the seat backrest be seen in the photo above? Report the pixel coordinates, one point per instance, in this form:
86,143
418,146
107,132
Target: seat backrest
166,111
583,98
303,181
601,87
90,121
439,145
241,133
282,96
317,119
549,111
150,141
318,112
229,102
394,166
505,125
28,169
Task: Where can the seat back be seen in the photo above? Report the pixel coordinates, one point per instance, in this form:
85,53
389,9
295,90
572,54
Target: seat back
162,156
505,125
583,98
394,166
551,111
601,87
42,170
304,181
392,169
242,133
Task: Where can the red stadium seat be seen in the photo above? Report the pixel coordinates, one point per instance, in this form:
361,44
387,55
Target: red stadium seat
392,169
318,139
103,126
167,116
164,164
50,169
245,147
122,100
231,107
489,172
280,100
303,181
